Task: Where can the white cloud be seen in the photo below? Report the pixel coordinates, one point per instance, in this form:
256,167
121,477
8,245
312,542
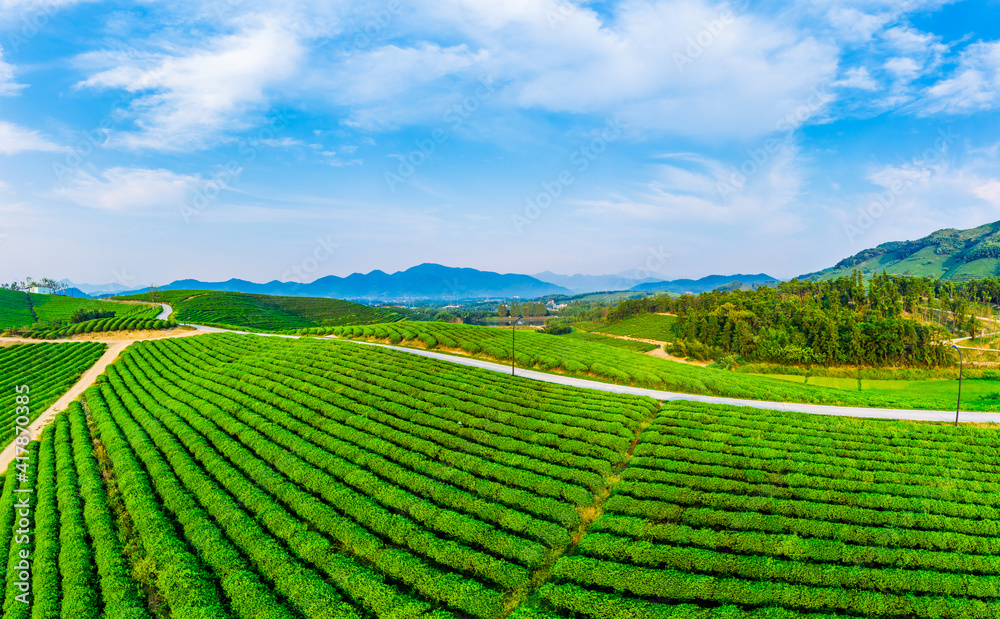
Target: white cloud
8,86
15,139
974,85
129,189
670,66
859,78
192,97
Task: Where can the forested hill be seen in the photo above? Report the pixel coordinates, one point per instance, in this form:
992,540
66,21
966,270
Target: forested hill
884,321
951,255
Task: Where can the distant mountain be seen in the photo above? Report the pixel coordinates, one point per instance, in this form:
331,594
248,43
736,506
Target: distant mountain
582,284
949,254
423,282
706,284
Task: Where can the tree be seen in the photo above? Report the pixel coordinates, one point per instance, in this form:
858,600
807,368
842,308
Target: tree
503,311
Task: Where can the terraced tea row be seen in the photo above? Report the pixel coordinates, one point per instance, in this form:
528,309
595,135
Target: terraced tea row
728,513
48,371
337,480
61,548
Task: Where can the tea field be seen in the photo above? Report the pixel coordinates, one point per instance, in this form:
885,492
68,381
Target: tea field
724,513
48,370
237,476
267,313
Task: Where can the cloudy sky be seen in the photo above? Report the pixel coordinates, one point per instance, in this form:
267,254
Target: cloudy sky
151,141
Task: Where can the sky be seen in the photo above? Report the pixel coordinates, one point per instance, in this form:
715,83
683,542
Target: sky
144,142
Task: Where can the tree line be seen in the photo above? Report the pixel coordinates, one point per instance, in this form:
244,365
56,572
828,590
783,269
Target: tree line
884,321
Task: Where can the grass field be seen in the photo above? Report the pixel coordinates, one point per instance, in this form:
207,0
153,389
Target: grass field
647,327
259,312
724,513
48,370
598,361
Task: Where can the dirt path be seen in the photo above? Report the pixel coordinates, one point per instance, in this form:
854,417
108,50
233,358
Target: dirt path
85,382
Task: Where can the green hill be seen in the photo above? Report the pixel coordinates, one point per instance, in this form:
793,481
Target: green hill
24,309
263,312
950,255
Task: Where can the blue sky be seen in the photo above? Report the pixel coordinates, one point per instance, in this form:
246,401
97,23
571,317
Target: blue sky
146,141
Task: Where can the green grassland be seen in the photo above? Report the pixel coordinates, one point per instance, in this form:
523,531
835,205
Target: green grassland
725,513
48,370
598,361
236,310
647,326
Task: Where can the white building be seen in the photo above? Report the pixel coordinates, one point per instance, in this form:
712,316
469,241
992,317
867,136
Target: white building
42,290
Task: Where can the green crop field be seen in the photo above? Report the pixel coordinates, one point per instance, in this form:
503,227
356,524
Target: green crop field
598,361
48,370
15,309
611,341
260,312
54,309
242,477
136,320
724,513
76,566
646,326
328,479
50,312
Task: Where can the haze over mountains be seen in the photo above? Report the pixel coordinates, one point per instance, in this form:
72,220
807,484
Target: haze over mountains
951,255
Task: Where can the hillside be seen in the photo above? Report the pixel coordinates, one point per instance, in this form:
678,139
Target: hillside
264,312
23,309
705,284
950,255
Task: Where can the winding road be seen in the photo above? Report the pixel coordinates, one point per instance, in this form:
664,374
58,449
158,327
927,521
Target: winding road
115,347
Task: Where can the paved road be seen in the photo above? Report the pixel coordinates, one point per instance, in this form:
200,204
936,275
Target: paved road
812,409
167,310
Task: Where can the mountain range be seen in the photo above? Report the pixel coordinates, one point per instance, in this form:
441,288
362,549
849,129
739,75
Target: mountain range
949,254
435,282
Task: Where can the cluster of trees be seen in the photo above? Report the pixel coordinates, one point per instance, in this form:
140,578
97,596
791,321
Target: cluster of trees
847,321
29,282
83,315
